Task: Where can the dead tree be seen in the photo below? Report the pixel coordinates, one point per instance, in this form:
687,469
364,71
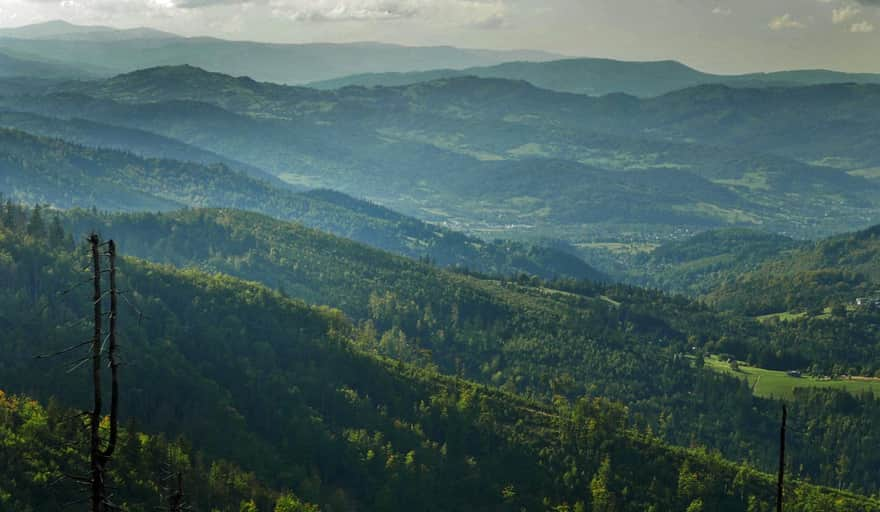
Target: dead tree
99,455
176,498
781,481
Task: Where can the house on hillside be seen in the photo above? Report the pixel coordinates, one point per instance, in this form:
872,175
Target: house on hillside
868,302
795,373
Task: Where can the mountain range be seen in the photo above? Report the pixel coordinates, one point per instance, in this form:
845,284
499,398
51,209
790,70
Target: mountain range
499,157
106,51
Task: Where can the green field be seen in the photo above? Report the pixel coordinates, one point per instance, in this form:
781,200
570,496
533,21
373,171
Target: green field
778,384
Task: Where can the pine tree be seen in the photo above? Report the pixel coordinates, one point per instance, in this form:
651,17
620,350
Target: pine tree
36,226
8,217
57,236
602,499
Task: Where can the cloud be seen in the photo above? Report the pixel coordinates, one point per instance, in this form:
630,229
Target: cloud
722,11
844,14
483,14
349,10
487,13
786,21
862,27
195,4
493,22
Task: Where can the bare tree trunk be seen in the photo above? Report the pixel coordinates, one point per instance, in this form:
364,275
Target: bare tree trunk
114,363
95,456
98,457
780,483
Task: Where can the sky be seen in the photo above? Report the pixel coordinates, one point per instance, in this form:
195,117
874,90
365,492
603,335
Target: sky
723,36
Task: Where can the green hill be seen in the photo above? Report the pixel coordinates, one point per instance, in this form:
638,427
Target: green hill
700,264
305,263
835,271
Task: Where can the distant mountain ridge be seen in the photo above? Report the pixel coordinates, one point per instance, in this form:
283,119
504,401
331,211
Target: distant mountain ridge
337,65
127,50
598,77
58,29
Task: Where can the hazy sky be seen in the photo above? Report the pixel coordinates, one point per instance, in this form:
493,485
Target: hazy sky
714,35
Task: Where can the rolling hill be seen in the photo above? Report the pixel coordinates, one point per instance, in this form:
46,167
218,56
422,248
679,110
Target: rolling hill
139,142
701,264
834,271
65,175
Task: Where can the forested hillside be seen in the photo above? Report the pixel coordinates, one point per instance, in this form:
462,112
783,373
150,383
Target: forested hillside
524,335
700,264
41,454
51,171
139,142
815,301
831,272
304,409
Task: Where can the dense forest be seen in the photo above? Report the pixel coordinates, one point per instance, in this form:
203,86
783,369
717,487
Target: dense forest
305,409
544,339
